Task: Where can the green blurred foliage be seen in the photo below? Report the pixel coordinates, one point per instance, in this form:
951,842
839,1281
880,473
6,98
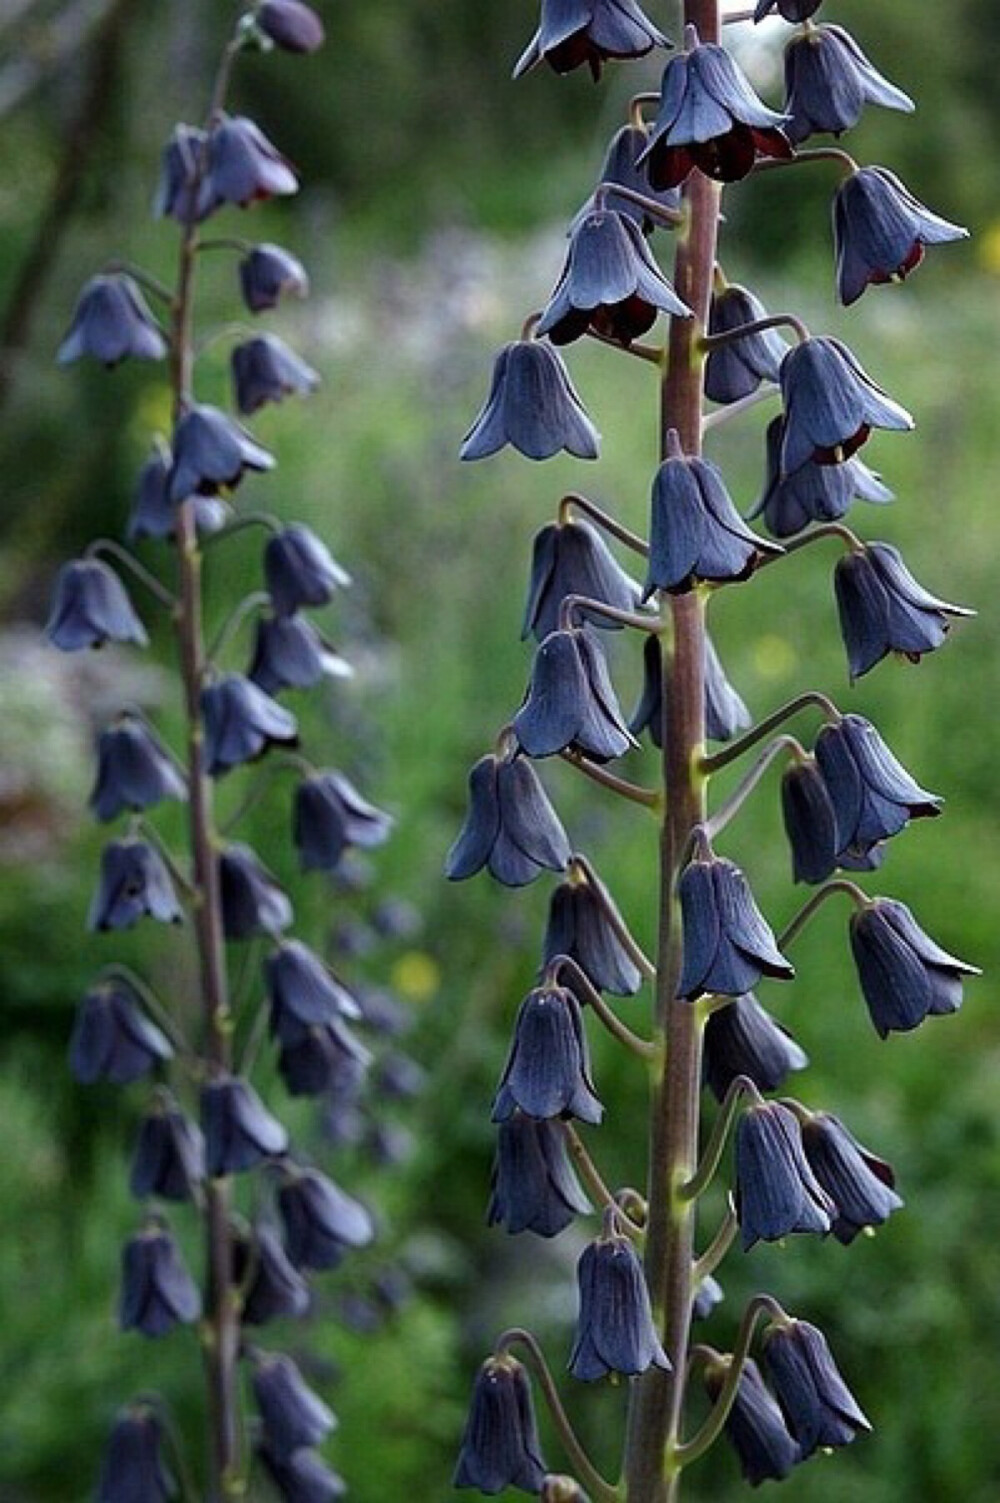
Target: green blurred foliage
432,223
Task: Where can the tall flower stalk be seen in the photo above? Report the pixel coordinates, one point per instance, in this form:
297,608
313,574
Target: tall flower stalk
795,1170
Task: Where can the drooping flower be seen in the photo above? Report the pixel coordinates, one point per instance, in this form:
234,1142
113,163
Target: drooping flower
862,1186
828,82
621,166
728,945
321,1222
533,1187
154,515
547,1073
708,1294
169,1157
814,492
511,827
291,25
880,231
252,900
266,369
571,702
818,1406
241,722
299,570
831,405
725,712
810,821
303,991
743,1039
240,1132
710,119
294,1416
134,883
318,1058
276,1289
571,558
883,609
244,167
737,368
615,1332
212,453
872,795
157,1291
289,653
177,194
580,926
133,1469
112,322
500,1445
329,816
776,1191
574,32
112,1037
267,273
696,533
904,975
302,1477
755,1427
610,284
134,769
532,405
90,607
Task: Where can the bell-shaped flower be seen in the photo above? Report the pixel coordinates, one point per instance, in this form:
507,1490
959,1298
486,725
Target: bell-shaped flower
814,492
810,821
744,1039
622,167
169,1156
276,1290
511,827
321,1222
293,1415
266,369
240,1132
883,609
157,1292
872,794
862,1186
400,1078
776,1191
154,515
615,1332
728,945
211,453
533,1187
828,82
571,702
302,1477
330,815
610,284
183,192
289,653
725,712
754,1426
112,321
113,1039
580,926
252,900
790,10
547,1073
269,272
134,884
707,1296
291,25
500,1446
576,32
709,118
133,1469
880,231
241,722
737,368
315,1059
90,606
134,769
696,533
571,558
302,991
299,570
904,975
818,1406
831,405
244,167
532,405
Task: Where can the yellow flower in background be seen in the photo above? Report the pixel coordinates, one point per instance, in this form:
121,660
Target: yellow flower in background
416,976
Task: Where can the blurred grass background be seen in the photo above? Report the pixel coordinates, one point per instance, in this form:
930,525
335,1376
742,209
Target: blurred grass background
435,196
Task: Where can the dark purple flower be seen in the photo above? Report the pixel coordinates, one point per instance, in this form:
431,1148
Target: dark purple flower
547,1073
113,1039
574,32
321,1222
299,570
880,231
532,405
904,975
244,167
500,1445
330,815
610,284
615,1331
818,1406
289,653
240,1132
294,1416
317,1058
265,370
831,405
276,1289
510,828
810,821
133,1469
710,119
302,1477
302,991
571,702
252,900
112,321
533,1187
571,558
736,369
776,1191
176,194
169,1157
872,795
791,10
725,712
696,533
883,609
728,945
754,1427
743,1039
828,82
267,273
814,492
861,1185
134,883
621,165
291,25
134,769
90,607
211,453
241,722
400,1078
579,925
157,1291
154,515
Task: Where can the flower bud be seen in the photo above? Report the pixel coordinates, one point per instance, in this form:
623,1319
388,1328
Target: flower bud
291,25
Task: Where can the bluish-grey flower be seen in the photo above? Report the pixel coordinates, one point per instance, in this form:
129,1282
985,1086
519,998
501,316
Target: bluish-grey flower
790,10
818,1406
737,368
814,492
154,515
872,794
299,570
754,1426
289,653
269,272
291,25
321,1222
183,192
708,1295
293,1415
831,405
547,1073
862,1186
571,702
810,821
725,712
329,816
828,82
240,1132
744,1039
696,533
134,883
169,1156
157,1292
571,558
133,1469
532,405
90,607
576,32
244,167
880,231
302,991
265,369
112,1037
579,926
111,322
728,945
883,609
904,975
533,1187
316,1059
211,453
302,1477
615,1332
252,900
241,722
500,1446
621,166
134,769
276,1290
776,1191
511,827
